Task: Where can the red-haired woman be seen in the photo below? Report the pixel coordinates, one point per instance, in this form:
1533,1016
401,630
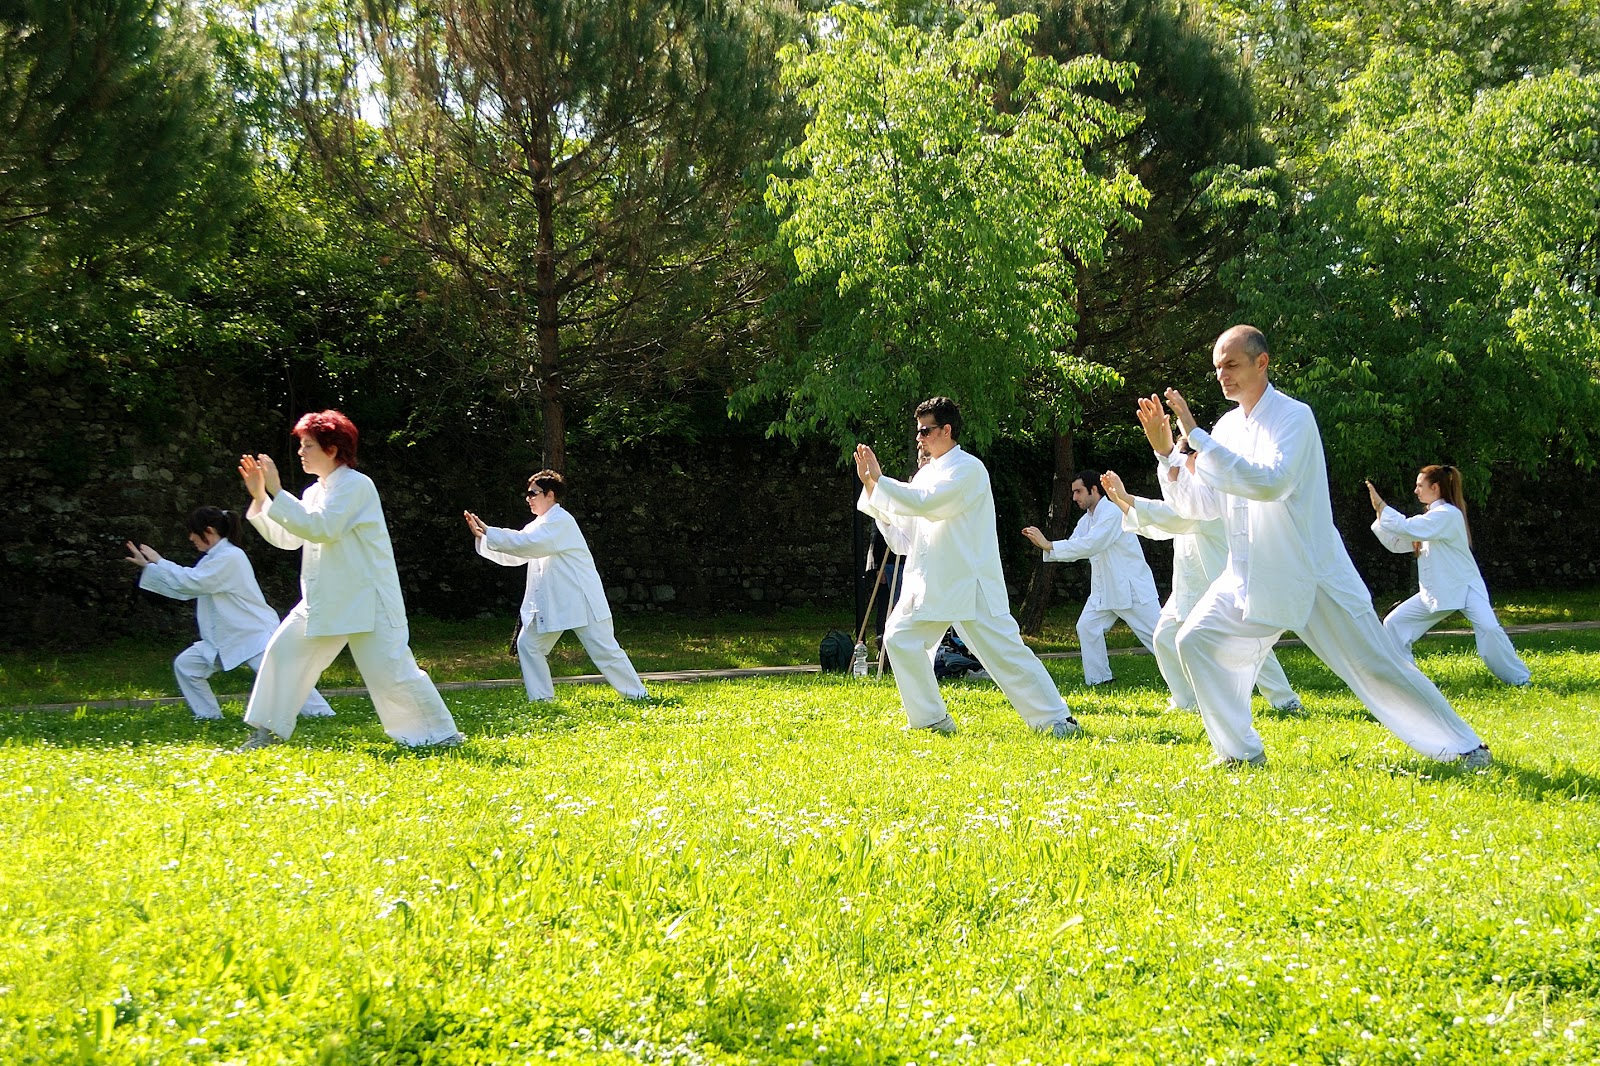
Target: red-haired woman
350,594
1446,571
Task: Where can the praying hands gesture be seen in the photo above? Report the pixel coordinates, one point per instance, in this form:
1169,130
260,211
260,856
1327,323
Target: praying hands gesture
868,469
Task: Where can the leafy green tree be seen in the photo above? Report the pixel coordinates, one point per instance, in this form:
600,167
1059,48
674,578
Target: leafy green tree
1154,298
576,170
940,178
120,167
1441,293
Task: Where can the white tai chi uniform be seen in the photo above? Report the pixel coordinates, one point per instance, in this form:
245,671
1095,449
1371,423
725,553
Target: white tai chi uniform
234,619
1199,555
350,594
1120,585
1450,581
1265,476
563,592
943,523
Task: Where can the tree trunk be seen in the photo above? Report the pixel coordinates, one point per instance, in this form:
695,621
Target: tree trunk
547,333
1038,598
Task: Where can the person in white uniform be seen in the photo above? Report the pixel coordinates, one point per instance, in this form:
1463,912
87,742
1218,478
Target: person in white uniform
234,619
1447,573
1120,582
350,594
1262,471
563,590
943,522
1199,554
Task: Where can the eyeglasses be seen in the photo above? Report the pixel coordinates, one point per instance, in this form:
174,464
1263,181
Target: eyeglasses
923,431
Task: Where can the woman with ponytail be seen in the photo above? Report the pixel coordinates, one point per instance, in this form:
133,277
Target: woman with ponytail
234,618
1446,571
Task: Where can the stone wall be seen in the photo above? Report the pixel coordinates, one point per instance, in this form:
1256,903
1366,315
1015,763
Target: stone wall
735,523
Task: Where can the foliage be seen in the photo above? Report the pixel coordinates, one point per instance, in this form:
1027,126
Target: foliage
120,168
767,871
577,172
1442,290
939,184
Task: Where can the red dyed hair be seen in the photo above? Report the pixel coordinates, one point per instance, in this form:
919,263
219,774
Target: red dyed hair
331,429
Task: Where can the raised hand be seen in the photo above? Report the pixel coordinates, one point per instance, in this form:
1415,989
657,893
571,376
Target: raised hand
136,556
1180,410
1157,427
1040,541
254,476
475,524
1377,501
274,482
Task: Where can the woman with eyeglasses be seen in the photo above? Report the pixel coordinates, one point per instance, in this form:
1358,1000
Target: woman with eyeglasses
1446,571
350,593
563,590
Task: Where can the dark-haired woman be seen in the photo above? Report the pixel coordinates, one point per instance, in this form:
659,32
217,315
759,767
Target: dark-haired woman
234,619
350,593
1446,571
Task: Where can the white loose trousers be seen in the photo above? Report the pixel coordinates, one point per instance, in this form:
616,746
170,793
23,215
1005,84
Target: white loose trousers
196,664
1095,623
1412,618
1222,654
996,641
599,640
1271,682
408,705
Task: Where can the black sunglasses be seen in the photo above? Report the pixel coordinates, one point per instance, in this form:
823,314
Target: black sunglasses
923,431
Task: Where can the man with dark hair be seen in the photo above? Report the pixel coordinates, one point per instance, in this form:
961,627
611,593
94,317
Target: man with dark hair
563,591
943,521
1120,582
1262,471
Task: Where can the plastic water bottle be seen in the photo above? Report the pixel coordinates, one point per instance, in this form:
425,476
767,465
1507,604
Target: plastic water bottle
858,661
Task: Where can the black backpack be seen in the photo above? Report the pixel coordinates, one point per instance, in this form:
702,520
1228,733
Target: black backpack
836,651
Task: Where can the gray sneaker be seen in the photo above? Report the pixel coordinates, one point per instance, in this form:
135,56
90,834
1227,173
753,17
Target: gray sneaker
1293,706
1228,762
1065,728
261,738
945,725
1476,759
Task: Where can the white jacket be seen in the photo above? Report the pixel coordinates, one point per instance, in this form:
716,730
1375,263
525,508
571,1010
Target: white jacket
564,590
944,520
233,616
1199,545
1265,476
1446,570
1119,577
347,570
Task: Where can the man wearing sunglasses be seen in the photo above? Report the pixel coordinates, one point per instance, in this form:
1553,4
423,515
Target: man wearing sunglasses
943,522
563,591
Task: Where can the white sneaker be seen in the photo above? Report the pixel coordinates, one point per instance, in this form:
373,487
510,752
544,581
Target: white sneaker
1228,762
1293,706
454,740
261,738
1065,728
1476,759
945,725
304,713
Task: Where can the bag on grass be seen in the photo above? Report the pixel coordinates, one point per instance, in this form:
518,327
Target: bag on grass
952,659
835,652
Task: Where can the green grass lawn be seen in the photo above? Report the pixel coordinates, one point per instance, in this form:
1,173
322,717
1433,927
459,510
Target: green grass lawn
141,667
768,871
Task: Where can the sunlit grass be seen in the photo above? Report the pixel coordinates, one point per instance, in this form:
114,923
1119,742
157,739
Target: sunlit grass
770,871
